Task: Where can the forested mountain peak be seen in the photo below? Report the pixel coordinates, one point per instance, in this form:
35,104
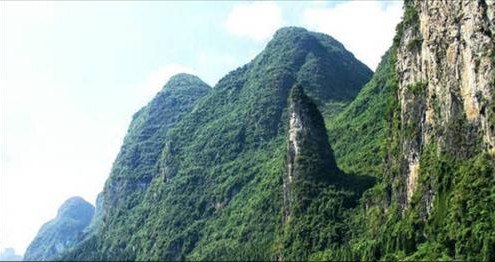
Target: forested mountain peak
300,154
221,162
184,80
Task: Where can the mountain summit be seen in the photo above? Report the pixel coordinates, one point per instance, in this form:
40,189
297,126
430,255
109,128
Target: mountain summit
318,61
302,154
179,192
182,80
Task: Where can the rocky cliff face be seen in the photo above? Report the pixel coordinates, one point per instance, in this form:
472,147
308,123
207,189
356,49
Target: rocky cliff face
316,194
429,110
309,156
445,66
61,233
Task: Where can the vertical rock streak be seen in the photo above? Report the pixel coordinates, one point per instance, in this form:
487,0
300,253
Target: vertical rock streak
295,128
446,72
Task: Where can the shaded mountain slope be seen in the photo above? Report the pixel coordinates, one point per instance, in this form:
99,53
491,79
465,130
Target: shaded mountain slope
136,163
359,133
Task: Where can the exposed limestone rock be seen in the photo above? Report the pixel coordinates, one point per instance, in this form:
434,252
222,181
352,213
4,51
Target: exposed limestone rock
449,47
309,156
295,129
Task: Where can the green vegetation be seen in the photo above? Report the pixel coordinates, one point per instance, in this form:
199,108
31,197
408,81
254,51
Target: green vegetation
451,214
135,166
459,225
204,175
358,135
215,191
411,17
409,21
321,195
417,89
415,44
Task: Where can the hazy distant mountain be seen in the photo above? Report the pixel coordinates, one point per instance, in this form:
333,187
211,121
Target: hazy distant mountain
9,254
62,232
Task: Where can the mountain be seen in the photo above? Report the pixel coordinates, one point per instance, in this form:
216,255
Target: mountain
60,233
135,165
424,124
216,190
8,254
302,154
317,194
97,220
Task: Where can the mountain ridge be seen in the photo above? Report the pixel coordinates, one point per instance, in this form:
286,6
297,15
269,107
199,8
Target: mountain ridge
302,154
244,115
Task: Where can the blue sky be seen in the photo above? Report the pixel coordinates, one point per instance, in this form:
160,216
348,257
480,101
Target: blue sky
73,73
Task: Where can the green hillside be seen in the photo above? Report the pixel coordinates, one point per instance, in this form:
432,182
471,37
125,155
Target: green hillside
304,154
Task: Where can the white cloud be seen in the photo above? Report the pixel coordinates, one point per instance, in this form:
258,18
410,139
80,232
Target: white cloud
366,28
256,20
156,79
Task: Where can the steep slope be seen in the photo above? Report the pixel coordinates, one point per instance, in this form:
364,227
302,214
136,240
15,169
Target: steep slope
136,163
229,156
446,82
317,195
249,174
61,233
218,190
436,197
309,156
445,175
96,222
359,133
